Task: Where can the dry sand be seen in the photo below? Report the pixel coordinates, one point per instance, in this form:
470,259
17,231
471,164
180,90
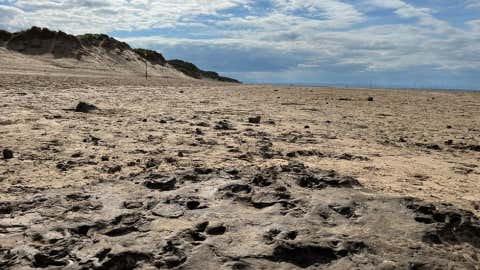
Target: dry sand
130,184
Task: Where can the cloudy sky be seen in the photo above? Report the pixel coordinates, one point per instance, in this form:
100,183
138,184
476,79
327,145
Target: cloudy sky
395,43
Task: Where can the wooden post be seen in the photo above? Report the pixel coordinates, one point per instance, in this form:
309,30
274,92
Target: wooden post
146,69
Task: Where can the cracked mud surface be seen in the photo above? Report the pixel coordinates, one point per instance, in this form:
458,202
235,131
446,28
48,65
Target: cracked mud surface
184,176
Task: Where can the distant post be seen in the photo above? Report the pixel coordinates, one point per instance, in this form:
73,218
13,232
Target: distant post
146,70
144,54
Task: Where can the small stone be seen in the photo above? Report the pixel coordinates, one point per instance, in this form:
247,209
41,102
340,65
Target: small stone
84,107
114,169
216,230
76,154
255,120
224,125
370,98
132,204
151,163
201,227
307,127
192,205
163,184
7,154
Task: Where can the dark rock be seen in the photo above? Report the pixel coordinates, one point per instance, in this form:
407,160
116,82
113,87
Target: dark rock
132,204
203,124
6,208
203,171
471,147
76,155
121,231
44,261
84,107
224,125
159,182
92,139
232,171
114,169
370,99
101,255
127,218
216,230
347,156
151,163
262,180
192,205
171,160
201,227
305,254
323,179
7,154
430,146
237,188
77,197
255,120
124,261
65,166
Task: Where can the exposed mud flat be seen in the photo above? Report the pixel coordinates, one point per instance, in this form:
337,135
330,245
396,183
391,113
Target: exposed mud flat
174,174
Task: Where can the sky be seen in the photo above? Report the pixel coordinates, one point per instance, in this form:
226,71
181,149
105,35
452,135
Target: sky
379,43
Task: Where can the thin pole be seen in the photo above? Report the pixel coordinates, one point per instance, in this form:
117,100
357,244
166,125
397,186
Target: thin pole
146,70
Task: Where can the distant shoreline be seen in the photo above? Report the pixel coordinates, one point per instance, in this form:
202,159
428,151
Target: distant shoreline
340,86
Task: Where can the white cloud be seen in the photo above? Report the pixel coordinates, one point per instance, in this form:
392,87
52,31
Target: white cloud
332,10
473,4
11,18
79,16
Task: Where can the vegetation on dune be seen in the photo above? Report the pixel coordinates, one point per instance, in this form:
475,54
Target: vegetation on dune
102,40
4,36
193,71
151,56
38,41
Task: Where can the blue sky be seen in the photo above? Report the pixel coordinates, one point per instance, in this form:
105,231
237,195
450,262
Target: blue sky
389,43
